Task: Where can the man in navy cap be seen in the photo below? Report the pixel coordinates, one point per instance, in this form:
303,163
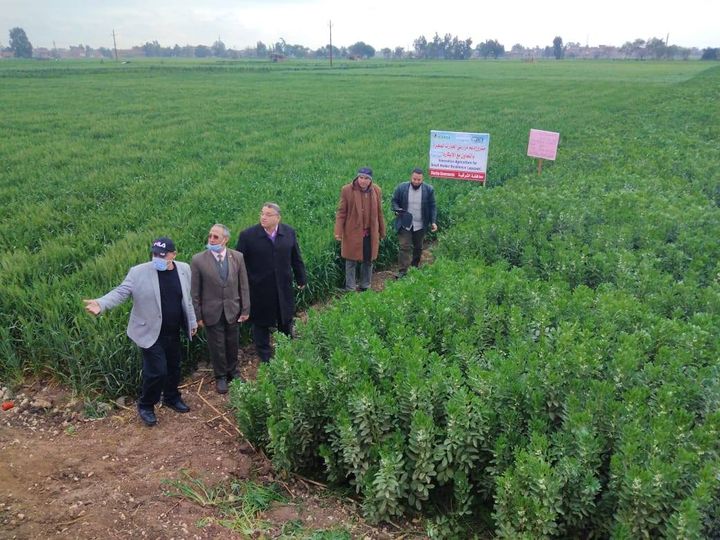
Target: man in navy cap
162,306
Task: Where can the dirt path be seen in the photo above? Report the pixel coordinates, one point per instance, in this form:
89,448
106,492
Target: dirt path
65,476
73,478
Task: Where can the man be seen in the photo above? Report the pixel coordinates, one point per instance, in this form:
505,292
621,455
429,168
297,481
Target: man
414,205
359,226
272,258
162,306
221,299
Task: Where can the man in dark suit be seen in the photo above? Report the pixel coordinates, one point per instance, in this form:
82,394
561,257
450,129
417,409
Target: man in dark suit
221,299
272,258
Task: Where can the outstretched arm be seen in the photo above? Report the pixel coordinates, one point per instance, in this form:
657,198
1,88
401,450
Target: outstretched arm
92,307
112,299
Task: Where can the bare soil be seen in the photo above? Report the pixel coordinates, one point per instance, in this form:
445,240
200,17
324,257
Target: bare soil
64,475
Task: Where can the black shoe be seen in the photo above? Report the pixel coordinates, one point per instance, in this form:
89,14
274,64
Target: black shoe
147,416
178,405
233,375
221,385
362,289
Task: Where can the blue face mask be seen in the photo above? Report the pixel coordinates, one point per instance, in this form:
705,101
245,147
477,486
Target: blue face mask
217,248
160,264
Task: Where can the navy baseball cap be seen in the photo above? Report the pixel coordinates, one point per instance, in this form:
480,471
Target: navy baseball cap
162,246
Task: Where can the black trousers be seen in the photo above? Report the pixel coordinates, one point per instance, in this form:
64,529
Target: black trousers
410,242
261,338
161,371
223,339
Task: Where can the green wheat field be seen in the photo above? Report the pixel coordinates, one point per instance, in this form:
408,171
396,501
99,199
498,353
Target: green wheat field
555,373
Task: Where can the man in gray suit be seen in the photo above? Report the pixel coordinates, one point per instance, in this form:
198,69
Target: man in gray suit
221,300
162,306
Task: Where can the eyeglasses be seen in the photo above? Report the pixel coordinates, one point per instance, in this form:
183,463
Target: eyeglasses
214,236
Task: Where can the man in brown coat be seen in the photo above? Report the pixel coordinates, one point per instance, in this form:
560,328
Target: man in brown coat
359,226
221,299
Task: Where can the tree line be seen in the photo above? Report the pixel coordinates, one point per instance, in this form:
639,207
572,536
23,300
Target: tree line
448,47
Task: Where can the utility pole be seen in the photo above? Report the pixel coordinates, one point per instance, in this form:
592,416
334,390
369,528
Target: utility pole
115,45
330,43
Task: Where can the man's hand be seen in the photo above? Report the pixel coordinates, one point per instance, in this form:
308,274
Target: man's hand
201,324
243,318
433,227
301,287
193,331
338,237
92,307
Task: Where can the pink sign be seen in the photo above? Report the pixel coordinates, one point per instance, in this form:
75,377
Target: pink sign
543,144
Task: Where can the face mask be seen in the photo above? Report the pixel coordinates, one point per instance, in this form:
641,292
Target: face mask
160,264
217,248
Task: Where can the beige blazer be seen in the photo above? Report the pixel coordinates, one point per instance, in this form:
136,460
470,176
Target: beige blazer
210,296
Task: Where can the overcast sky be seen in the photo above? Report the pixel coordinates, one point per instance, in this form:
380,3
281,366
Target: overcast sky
380,23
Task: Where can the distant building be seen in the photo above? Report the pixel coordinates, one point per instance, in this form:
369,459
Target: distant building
42,53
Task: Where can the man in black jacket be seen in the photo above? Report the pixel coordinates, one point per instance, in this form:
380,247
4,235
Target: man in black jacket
272,258
414,205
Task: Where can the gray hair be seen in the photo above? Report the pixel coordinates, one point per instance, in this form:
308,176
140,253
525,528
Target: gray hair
272,205
226,231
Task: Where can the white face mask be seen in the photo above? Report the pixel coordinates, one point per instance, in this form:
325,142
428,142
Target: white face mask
160,264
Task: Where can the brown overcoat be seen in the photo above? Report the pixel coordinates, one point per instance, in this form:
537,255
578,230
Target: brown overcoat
349,220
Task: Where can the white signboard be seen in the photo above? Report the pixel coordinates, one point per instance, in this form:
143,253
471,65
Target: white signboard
459,155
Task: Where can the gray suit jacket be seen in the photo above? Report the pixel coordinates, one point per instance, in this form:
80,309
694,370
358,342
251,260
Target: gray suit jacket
143,285
211,297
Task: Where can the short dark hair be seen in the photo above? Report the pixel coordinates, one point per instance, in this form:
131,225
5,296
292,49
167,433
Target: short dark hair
272,206
418,170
